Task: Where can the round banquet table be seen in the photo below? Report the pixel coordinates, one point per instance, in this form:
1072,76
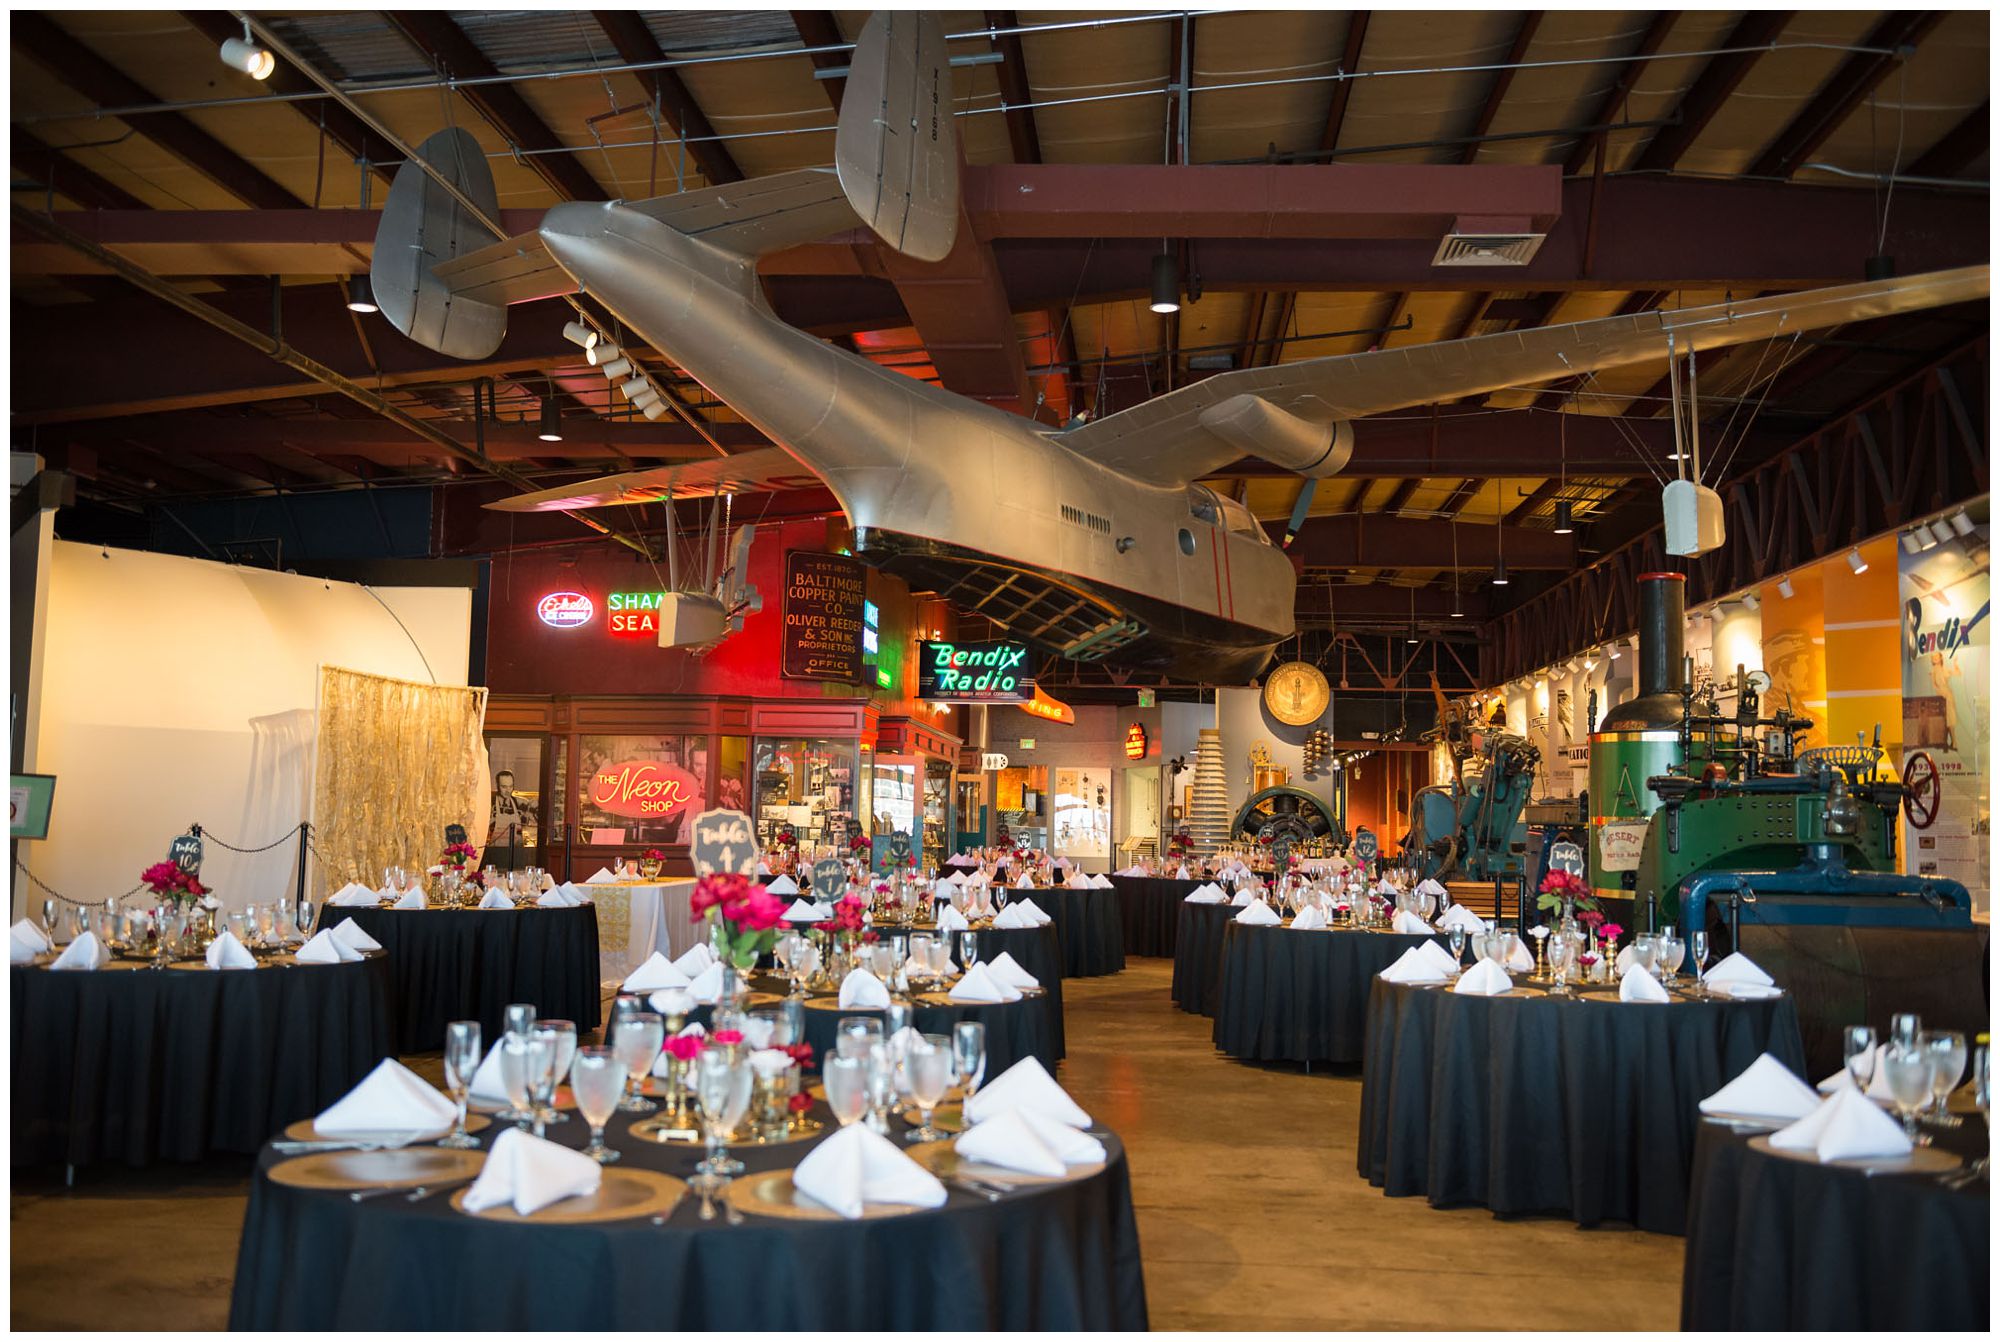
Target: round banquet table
1198,956
468,964
1058,1257
1090,925
1290,996
1039,950
1150,911
1527,1103
132,1064
1775,1243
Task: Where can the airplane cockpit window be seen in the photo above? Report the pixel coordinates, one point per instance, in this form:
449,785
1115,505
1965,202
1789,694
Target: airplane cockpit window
1238,519
1218,511
1203,503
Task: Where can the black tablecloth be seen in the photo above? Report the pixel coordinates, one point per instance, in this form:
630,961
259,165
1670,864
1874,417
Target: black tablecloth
134,1064
1300,996
1037,950
1529,1104
1014,1030
468,964
1198,956
1090,925
1058,1257
1777,1244
1150,909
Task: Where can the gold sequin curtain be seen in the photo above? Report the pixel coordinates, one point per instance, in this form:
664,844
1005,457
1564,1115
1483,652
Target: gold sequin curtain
398,761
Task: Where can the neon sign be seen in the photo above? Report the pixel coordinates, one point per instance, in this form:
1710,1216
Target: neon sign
1135,741
974,672
643,789
565,610
633,614
1045,705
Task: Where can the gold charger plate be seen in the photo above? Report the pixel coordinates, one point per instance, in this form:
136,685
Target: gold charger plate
304,1131
623,1195
1920,1160
405,1167
772,1194
943,1160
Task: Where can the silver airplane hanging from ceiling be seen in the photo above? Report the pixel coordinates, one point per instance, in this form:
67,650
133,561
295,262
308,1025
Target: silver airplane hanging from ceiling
1093,542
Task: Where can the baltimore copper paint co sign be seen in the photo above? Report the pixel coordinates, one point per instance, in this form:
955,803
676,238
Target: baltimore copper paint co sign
824,594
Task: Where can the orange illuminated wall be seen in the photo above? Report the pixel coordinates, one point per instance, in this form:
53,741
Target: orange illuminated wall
1795,649
1864,674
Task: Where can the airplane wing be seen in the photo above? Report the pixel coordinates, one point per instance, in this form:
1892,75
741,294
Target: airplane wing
1163,442
767,468
752,218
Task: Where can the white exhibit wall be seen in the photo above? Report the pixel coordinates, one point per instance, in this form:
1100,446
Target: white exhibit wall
178,691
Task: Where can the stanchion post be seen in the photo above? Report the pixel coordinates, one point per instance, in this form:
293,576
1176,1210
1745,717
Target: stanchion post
299,895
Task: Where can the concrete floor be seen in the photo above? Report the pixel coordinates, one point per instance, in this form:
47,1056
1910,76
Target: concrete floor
1250,1213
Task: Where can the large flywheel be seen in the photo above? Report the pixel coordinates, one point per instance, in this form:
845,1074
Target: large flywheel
1287,813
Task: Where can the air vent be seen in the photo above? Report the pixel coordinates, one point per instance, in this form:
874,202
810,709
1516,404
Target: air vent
1488,249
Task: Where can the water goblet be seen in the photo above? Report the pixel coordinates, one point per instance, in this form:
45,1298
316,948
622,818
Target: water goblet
968,950
517,1078
637,1042
1906,1028
461,1060
1907,1069
968,1054
565,1033
881,1088
597,1079
303,924
1946,1050
1646,951
79,921
49,927
846,1078
1672,951
855,1035
1457,939
927,1066
542,1076
1857,1045
520,1017
895,1019
723,1082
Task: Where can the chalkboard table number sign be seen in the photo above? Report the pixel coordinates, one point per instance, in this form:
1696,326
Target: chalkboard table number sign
829,878
724,843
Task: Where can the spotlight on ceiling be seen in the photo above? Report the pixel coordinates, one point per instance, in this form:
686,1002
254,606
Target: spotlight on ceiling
616,369
361,295
655,410
1941,531
1785,588
1856,562
1917,541
1961,522
579,334
1589,665
633,387
1565,517
600,353
1751,601
1166,283
1500,572
245,53
1614,651
646,397
551,430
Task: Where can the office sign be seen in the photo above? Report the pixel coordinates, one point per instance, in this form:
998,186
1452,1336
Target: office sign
825,597
997,672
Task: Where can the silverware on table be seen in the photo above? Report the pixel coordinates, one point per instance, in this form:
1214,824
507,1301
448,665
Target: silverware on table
288,1148
966,1184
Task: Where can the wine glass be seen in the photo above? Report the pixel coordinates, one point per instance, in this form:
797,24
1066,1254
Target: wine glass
637,1039
1857,1045
968,950
1646,951
846,1078
461,1060
855,1035
79,921
1672,952
927,1066
597,1079
1946,1050
722,1088
1560,951
881,1088
303,924
1698,947
565,1033
1907,1068
1457,939
968,1054
49,919
517,1078
520,1017
542,1076
1906,1028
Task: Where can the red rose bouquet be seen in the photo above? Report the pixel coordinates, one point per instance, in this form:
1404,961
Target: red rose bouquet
167,881
860,844
460,857
1565,893
743,917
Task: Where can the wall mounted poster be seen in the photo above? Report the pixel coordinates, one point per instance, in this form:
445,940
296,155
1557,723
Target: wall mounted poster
1946,592
824,596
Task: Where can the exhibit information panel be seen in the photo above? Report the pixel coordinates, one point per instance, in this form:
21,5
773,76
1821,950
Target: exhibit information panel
1945,592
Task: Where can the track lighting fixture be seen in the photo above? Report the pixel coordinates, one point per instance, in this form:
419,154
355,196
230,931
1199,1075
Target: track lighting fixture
1856,562
551,430
1613,652
632,388
1961,522
646,398
1941,531
1166,283
655,410
1917,541
247,54
600,353
361,295
579,334
616,369
1785,588
1751,601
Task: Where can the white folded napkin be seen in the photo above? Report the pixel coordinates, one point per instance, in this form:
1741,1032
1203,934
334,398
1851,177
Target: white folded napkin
1258,914
1033,910
959,878
1026,881
1007,970
1243,896
1182,873
1484,979
1011,918
226,952
26,941
1412,966
1438,957
1623,961
414,899
1409,924
979,985
529,1173
951,920
326,948
855,1167
1209,893
1006,1141
1100,882
1734,969
352,895
1430,886
487,1087
599,877
1460,916
390,1099
1878,1078
862,989
1765,1089
784,885
1077,881
1849,1126
86,952
349,934
671,1002
494,899
560,897
706,986
1639,986
807,911
1309,919
695,959
385,893
1521,960
656,973
1026,1085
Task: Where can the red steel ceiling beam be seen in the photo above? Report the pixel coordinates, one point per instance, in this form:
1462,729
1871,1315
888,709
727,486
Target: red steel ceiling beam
53,170
636,45
446,45
1959,147
1609,108
38,37
1502,80
1718,80
960,311
1343,89
1858,77
817,28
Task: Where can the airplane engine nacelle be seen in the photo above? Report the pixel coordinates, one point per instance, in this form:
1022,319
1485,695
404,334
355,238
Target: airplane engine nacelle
1257,428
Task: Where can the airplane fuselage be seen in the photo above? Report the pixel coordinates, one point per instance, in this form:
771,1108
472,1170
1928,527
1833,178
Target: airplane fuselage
955,495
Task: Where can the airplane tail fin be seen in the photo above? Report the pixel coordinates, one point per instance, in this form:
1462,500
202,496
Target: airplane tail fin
445,281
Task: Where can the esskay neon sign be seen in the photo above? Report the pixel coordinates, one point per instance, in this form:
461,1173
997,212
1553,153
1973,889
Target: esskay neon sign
974,673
